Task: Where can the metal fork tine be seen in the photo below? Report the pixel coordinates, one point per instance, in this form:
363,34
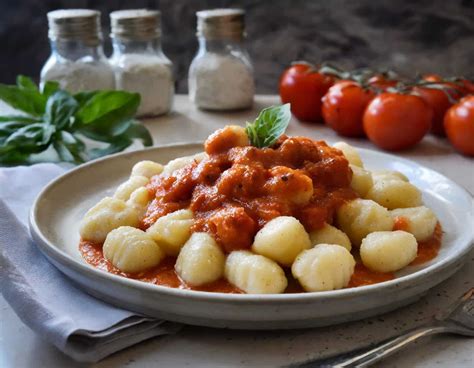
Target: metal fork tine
461,312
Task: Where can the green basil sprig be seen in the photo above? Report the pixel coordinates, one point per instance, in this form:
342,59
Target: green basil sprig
54,117
270,124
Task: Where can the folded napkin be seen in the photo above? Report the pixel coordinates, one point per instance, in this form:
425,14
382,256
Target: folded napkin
81,326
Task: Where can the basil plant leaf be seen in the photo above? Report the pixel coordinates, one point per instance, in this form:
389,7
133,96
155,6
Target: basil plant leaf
270,124
49,88
107,112
26,83
60,108
29,101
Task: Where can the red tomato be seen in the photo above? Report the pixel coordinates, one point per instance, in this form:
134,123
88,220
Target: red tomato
382,83
343,107
459,125
304,88
468,86
395,121
439,102
456,90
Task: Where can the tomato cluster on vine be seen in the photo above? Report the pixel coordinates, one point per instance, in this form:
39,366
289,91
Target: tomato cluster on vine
394,113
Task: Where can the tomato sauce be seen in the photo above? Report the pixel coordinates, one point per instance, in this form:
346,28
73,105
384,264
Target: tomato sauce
236,190
429,249
164,274
400,223
363,276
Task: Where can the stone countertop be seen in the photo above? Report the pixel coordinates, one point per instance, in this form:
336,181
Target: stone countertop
205,347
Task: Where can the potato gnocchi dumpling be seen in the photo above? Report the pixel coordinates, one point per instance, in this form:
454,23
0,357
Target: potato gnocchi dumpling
126,189
254,274
350,153
360,217
324,267
201,260
361,180
108,214
147,169
388,174
330,235
172,231
139,200
388,251
281,240
420,221
131,250
395,194
180,162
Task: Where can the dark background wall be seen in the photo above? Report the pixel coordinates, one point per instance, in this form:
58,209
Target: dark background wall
409,36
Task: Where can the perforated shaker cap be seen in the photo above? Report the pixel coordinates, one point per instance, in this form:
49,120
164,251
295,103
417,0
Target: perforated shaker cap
135,24
75,25
221,23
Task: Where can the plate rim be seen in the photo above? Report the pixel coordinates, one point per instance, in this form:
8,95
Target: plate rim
50,250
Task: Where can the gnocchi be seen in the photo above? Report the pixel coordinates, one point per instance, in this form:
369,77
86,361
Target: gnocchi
388,175
350,153
131,250
420,221
255,274
330,235
105,216
361,180
324,267
388,251
201,260
172,231
126,189
395,194
139,200
181,162
281,240
147,169
360,217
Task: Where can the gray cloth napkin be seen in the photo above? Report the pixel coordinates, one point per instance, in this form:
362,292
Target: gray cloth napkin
81,326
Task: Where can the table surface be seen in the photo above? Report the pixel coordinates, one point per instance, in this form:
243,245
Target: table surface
205,347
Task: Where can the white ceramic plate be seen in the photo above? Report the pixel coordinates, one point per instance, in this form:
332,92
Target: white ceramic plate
60,206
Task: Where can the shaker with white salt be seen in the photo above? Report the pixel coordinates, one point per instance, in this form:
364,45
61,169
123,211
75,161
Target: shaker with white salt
138,61
221,74
77,60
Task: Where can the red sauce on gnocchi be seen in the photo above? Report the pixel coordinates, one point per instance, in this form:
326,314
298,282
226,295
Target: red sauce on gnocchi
238,189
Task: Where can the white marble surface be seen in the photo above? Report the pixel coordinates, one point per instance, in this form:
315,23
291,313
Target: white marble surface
202,347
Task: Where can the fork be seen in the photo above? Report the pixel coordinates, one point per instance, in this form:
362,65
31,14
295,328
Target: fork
458,319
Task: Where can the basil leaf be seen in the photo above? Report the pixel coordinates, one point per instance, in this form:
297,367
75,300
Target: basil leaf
26,83
49,88
26,100
31,138
19,119
118,145
270,124
70,148
137,130
13,158
108,111
60,109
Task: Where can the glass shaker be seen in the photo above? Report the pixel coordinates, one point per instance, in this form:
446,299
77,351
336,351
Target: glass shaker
77,58
138,61
221,74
